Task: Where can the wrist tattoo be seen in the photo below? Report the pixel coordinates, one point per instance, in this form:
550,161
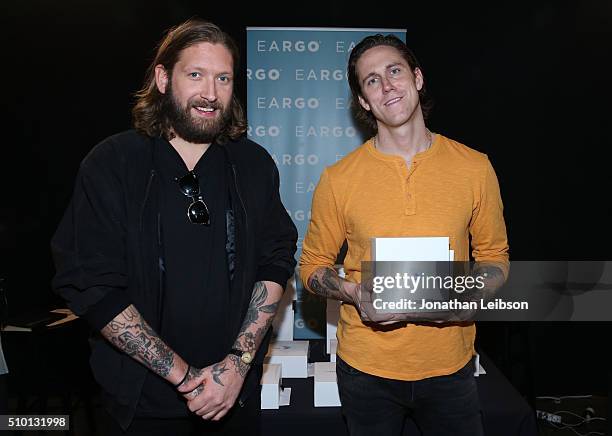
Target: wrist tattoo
240,367
193,373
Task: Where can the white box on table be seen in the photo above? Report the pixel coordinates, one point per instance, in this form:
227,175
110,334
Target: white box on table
270,386
326,385
282,325
292,355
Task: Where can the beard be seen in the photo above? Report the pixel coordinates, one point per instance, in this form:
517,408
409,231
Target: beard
190,128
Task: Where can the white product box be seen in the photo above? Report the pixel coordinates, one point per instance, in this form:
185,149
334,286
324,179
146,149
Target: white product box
282,325
326,385
270,386
411,249
292,355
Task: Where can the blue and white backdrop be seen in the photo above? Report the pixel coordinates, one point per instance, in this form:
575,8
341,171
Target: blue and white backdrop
299,110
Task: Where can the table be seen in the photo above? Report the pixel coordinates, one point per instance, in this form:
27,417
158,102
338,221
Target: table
50,363
505,412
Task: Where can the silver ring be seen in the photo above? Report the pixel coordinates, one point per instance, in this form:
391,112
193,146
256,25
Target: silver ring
197,391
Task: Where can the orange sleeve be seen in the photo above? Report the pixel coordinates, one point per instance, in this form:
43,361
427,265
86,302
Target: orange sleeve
487,226
326,231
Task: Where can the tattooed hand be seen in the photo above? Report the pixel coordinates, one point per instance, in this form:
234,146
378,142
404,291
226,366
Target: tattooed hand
195,378
212,391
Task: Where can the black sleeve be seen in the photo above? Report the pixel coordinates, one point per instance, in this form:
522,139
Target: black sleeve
278,239
89,244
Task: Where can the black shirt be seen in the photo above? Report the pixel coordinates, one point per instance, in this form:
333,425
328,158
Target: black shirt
196,282
107,250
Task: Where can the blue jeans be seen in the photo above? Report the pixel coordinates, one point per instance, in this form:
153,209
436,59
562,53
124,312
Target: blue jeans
445,405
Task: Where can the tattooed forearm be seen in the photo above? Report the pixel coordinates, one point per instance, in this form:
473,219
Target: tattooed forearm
269,308
259,316
326,283
124,320
258,298
331,280
249,341
130,333
130,314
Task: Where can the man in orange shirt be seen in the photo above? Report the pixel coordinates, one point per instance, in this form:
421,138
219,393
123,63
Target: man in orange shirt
406,181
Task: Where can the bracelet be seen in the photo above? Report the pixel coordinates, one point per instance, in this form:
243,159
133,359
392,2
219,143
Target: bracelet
184,378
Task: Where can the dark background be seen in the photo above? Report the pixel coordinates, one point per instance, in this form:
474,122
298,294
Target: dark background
526,83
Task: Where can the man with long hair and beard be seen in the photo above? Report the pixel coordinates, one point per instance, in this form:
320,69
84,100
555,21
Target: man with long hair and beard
176,249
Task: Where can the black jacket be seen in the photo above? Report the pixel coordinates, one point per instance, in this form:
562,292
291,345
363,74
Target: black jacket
107,249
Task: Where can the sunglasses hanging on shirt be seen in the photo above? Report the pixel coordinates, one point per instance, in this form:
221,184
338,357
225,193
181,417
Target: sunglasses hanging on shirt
197,212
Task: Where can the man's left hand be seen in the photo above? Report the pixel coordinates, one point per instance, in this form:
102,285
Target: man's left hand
214,391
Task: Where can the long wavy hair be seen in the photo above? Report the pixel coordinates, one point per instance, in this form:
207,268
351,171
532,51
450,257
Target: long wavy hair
148,114
363,116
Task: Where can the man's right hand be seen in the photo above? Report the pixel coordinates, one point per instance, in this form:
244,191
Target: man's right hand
212,391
